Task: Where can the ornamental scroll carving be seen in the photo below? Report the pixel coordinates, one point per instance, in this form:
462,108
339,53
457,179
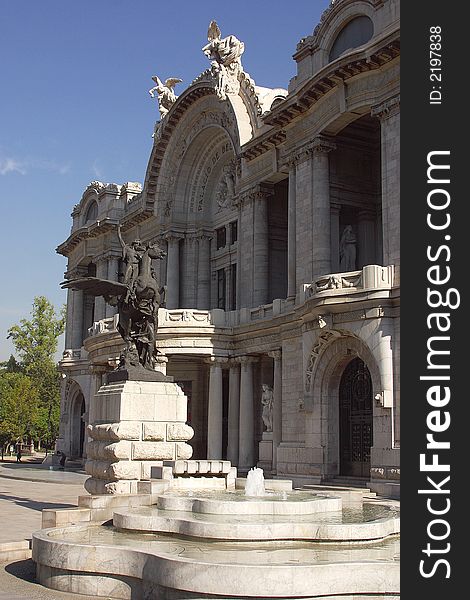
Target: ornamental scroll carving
325,338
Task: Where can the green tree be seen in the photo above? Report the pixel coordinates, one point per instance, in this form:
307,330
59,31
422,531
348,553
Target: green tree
18,407
35,341
10,366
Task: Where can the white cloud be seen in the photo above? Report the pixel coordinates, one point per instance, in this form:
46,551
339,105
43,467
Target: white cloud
97,171
11,165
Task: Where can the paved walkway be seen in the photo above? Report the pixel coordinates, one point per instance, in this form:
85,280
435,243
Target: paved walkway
25,490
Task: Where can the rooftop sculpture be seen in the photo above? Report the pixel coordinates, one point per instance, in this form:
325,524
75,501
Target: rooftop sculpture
225,56
165,93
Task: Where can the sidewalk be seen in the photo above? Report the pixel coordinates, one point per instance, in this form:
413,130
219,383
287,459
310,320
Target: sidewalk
25,490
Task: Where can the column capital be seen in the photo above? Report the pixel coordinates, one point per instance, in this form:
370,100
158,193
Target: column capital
386,109
172,236
204,234
216,361
276,354
75,272
261,191
247,360
322,145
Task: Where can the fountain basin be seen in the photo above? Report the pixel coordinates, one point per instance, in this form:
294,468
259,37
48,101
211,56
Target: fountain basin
236,503
369,522
134,565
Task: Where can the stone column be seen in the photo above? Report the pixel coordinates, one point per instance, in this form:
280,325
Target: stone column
246,450
100,304
113,268
389,114
367,238
277,408
215,409
291,233
188,281
334,220
245,251
233,412
173,270
204,273
321,230
261,245
77,319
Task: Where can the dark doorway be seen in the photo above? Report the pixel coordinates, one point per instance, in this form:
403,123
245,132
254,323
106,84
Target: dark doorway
355,419
82,428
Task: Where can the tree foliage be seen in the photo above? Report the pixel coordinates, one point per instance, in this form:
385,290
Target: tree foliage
30,387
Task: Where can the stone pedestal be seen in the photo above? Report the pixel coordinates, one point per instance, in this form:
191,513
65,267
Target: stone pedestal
265,461
134,425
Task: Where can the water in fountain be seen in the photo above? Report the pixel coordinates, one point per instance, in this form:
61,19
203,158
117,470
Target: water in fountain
255,483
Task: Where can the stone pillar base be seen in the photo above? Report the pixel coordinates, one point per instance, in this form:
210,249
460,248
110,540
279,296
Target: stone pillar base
265,461
134,426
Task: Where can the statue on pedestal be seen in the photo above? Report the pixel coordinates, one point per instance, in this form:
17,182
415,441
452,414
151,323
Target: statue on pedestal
267,400
347,250
137,298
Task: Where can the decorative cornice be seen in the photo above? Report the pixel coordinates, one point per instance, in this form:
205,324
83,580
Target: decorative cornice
386,109
258,192
368,59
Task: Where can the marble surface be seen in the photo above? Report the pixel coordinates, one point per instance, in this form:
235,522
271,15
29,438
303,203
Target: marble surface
289,569
365,523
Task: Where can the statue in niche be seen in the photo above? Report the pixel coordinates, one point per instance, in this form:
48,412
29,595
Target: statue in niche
165,93
226,188
226,65
347,250
267,401
137,298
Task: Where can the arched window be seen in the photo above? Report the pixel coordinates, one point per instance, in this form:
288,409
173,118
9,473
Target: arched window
354,34
91,213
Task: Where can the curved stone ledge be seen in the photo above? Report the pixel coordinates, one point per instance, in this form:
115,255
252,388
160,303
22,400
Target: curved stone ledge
225,527
296,503
84,557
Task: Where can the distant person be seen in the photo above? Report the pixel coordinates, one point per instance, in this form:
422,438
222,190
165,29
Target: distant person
18,455
63,458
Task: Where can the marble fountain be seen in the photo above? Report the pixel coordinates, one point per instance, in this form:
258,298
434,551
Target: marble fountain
189,536
157,525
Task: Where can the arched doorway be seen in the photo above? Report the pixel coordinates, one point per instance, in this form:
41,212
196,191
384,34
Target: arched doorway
355,419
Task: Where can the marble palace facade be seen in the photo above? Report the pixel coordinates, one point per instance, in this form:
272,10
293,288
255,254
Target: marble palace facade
278,210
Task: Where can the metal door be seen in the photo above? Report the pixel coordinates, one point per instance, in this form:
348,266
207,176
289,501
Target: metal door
355,418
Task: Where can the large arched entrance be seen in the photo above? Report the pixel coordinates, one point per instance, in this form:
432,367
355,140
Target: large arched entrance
355,419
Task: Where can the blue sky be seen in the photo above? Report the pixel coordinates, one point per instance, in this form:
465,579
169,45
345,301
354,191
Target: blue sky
75,107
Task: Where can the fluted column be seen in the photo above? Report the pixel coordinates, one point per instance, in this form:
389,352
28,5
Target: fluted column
215,409
100,304
389,114
173,270
321,230
291,233
277,408
77,319
204,272
246,450
233,412
188,284
261,245
113,268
